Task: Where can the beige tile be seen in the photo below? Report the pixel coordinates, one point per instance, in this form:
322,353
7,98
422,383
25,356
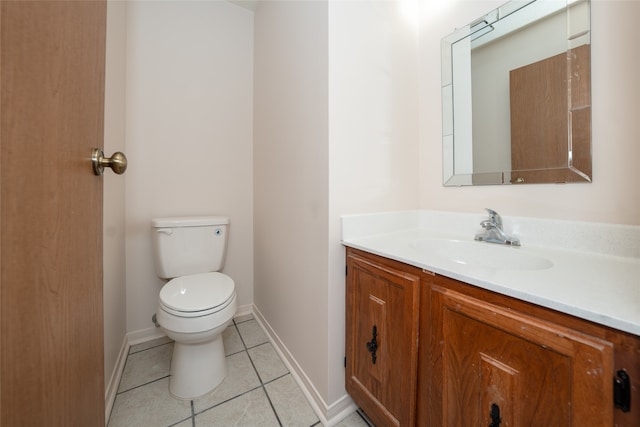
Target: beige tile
289,402
241,377
232,342
149,344
249,410
146,366
267,362
238,401
243,318
252,334
353,420
150,405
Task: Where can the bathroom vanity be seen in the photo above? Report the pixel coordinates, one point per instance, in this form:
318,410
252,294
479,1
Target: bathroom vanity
437,335
534,325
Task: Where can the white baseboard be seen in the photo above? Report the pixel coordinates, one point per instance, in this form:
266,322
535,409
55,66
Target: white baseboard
328,415
114,381
340,410
144,335
243,310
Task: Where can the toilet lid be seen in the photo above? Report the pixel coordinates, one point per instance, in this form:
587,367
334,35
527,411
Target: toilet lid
197,292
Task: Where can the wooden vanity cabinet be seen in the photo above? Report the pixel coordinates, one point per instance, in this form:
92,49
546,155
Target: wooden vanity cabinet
427,350
382,301
489,357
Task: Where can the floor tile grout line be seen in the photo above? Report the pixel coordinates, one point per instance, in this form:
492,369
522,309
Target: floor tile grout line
258,345
195,413
244,321
148,348
259,378
260,386
233,354
258,374
271,381
180,422
249,355
141,385
273,408
264,385
264,388
126,362
277,378
262,382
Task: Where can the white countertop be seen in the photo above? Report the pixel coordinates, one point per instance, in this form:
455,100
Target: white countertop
587,284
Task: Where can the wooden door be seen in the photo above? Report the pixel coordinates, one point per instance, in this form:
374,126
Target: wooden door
551,126
51,321
382,337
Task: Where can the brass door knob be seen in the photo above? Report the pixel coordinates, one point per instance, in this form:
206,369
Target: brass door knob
117,162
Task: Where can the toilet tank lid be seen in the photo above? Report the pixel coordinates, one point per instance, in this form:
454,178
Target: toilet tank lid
189,221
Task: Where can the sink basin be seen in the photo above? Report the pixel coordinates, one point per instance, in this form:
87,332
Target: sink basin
482,254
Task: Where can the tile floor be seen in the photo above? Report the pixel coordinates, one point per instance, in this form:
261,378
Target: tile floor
258,389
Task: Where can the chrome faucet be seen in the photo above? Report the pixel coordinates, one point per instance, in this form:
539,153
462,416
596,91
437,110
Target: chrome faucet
493,232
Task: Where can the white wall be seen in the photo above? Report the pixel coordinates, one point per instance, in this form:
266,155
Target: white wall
336,123
614,195
373,138
189,134
291,170
114,291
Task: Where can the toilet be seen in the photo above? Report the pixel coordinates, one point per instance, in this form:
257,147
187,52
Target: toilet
197,303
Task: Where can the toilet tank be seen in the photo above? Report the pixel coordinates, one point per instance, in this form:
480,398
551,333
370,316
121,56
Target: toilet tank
188,245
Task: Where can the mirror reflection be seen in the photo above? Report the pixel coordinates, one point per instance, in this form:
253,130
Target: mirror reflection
516,96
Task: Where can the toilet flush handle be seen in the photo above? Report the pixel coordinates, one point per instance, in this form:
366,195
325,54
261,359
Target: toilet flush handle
166,231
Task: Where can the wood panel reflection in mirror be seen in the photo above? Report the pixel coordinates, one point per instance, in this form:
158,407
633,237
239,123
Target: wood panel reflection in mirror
542,149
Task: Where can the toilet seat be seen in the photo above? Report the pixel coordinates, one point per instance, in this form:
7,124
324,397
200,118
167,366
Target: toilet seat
197,295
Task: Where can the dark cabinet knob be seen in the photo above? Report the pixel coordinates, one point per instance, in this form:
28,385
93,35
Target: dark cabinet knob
372,346
495,416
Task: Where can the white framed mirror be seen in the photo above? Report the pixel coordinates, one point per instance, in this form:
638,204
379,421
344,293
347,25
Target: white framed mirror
516,95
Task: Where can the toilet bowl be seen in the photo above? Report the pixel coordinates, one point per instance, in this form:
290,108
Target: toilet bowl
197,303
194,310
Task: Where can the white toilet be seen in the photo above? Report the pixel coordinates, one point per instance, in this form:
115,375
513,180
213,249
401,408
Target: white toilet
198,303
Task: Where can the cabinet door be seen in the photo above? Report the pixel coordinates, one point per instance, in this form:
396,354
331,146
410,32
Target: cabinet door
503,368
381,339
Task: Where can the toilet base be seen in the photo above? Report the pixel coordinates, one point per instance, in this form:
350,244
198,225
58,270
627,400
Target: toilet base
198,368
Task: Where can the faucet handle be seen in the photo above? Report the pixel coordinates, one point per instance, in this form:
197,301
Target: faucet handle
494,217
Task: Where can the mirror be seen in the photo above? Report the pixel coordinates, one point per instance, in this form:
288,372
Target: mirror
516,95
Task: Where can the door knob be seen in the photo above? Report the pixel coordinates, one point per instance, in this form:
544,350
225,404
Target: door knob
117,162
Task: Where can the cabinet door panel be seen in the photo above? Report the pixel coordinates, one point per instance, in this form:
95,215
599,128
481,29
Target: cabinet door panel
537,372
484,365
380,373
